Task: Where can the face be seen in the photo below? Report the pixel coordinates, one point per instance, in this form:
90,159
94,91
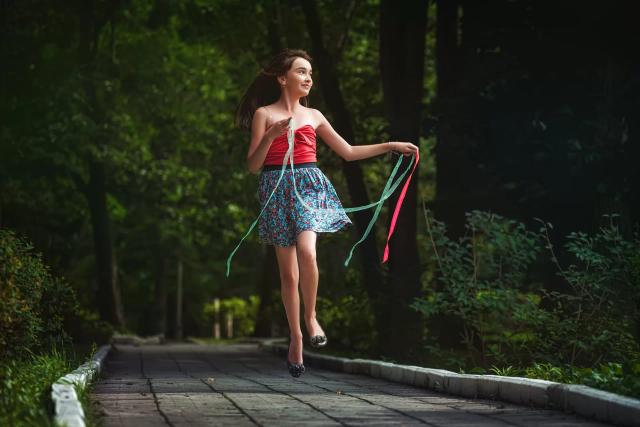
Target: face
299,77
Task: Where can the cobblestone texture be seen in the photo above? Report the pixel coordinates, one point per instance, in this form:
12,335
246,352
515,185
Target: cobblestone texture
240,385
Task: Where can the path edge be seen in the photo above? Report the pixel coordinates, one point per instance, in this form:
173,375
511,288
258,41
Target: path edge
67,409
571,398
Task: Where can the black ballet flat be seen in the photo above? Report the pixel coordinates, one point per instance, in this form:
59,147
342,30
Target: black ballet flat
295,369
318,341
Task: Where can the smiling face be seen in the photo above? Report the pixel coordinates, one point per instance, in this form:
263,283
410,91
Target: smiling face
298,79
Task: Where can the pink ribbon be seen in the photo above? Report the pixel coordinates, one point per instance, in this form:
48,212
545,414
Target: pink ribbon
394,218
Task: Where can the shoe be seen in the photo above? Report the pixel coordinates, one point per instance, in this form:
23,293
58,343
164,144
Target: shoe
318,341
295,369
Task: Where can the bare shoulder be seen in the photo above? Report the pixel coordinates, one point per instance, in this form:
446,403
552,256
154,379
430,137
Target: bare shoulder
318,117
261,112
267,111
314,112
260,115
259,118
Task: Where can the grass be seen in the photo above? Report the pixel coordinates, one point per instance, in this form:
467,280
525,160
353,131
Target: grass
25,384
620,378
91,414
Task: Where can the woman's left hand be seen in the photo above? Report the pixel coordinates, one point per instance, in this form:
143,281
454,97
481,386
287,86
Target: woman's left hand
404,148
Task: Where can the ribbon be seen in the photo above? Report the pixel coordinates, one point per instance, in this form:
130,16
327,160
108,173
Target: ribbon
389,189
396,211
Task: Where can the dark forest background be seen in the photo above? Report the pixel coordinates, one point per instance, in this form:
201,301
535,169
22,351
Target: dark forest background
119,159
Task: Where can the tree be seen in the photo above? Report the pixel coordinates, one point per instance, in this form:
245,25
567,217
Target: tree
329,82
402,58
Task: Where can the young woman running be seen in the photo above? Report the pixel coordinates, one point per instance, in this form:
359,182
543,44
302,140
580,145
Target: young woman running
278,94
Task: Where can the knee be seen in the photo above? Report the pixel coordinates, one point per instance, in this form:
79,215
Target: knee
289,278
306,255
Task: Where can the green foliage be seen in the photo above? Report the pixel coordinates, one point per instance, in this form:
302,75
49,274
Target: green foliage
35,307
482,280
476,370
19,324
509,371
25,386
596,320
91,411
558,335
545,371
85,326
621,378
348,322
153,102
243,312
27,319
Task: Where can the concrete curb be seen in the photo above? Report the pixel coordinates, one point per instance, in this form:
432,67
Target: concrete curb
580,399
67,408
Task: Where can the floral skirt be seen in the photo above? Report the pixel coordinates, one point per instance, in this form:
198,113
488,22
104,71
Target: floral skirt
285,216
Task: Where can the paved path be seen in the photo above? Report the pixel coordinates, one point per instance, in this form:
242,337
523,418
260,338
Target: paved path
240,385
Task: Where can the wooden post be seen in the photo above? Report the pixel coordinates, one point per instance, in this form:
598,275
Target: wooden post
216,318
179,302
229,318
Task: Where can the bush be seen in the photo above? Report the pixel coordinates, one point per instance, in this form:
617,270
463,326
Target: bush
598,320
36,309
85,326
483,281
23,281
348,323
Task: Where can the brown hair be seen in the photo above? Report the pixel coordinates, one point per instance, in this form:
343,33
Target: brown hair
265,89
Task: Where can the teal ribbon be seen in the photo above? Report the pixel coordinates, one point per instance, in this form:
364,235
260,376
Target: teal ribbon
388,190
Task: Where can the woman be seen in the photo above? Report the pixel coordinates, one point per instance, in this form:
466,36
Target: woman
276,96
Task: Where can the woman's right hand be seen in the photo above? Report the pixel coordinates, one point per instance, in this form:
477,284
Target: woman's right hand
278,128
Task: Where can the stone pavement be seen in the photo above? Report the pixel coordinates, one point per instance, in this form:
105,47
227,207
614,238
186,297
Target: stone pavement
241,385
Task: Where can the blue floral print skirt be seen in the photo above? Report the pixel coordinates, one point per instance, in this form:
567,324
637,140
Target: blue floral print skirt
285,216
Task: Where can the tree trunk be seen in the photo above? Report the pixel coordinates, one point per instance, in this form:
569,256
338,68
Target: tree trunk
370,262
447,328
402,57
102,240
270,277
108,298
268,282
179,301
448,150
159,321
274,35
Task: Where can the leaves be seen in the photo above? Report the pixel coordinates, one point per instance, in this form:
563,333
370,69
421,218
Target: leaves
483,279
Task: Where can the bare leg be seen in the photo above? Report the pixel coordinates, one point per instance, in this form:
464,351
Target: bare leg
306,251
289,275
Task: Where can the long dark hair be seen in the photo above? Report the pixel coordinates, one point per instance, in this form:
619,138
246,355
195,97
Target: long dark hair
265,89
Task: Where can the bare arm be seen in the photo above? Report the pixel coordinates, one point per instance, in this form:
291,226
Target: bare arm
357,152
261,140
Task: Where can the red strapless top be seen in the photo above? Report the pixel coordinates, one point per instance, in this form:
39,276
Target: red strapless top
304,147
